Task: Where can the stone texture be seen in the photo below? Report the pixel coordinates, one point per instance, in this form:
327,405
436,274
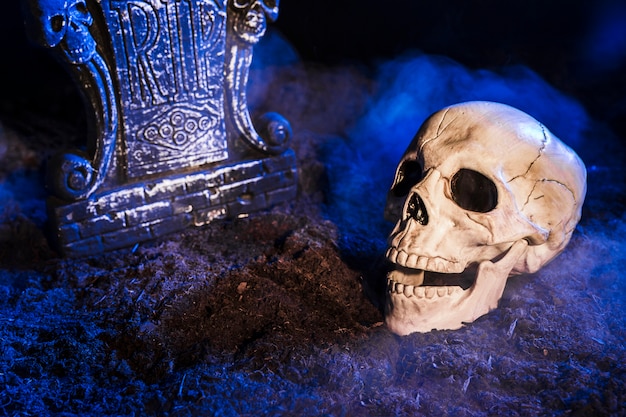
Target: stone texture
123,217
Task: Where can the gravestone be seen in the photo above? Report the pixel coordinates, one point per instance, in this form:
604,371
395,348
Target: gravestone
171,143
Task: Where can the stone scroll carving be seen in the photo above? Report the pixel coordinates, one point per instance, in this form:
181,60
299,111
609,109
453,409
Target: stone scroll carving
171,142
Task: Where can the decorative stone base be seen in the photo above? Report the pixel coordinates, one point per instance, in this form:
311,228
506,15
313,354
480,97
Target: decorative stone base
136,213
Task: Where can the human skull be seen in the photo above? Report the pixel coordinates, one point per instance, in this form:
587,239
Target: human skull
484,191
250,23
66,22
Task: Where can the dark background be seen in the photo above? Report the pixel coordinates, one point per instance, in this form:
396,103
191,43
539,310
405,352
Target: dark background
577,46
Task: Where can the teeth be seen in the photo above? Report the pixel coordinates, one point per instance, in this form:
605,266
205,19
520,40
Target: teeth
408,291
455,290
401,258
413,261
392,255
433,265
409,279
421,263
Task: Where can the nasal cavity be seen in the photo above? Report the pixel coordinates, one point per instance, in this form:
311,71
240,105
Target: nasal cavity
416,210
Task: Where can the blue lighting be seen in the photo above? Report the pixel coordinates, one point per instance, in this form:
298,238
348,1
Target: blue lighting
605,42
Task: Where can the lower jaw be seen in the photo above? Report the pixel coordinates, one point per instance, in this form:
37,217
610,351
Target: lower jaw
417,308
404,315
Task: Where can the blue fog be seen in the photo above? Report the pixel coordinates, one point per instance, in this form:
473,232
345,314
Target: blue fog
605,41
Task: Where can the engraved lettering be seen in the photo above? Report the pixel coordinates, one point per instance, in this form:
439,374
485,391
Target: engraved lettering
140,33
170,67
168,48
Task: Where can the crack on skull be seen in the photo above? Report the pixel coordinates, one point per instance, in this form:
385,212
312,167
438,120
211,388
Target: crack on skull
544,144
543,180
440,130
532,190
570,230
567,188
443,118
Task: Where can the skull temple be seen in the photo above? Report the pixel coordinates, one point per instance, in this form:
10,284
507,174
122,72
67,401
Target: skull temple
483,192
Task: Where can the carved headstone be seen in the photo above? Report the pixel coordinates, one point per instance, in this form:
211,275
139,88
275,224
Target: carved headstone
171,142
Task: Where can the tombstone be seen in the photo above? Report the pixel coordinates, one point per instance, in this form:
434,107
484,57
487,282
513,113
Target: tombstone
171,142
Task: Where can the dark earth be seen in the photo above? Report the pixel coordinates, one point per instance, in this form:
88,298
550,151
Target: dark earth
280,313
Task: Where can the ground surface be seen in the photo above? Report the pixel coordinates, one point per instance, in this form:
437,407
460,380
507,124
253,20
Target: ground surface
278,313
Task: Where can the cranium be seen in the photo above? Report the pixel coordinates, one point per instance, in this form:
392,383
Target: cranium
483,192
66,23
250,23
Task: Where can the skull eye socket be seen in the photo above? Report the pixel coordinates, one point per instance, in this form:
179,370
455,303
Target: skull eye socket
241,4
81,8
473,191
57,23
409,174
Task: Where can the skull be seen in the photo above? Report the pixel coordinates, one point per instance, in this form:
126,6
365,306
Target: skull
66,22
484,191
250,23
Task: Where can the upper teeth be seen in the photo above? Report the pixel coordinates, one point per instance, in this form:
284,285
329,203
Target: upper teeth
413,261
